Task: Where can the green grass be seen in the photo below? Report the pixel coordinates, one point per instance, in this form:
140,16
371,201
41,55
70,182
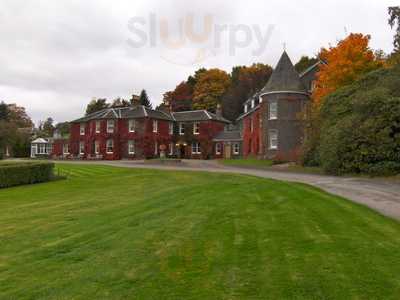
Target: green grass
110,233
247,162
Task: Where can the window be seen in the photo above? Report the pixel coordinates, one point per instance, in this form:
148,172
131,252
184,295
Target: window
171,128
273,110
273,139
171,148
181,128
196,148
66,148
110,126
98,126
110,146
252,103
245,108
236,148
155,126
155,148
131,147
42,149
218,148
132,125
82,129
251,124
81,147
196,128
96,147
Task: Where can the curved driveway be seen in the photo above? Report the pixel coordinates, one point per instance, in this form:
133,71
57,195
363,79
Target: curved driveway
378,194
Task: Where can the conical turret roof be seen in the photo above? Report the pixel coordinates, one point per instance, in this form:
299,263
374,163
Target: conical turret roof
284,78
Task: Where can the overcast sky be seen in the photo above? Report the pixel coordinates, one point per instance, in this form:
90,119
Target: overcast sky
57,55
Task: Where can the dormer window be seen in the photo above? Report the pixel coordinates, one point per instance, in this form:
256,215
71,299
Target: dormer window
82,129
110,126
245,108
252,103
273,110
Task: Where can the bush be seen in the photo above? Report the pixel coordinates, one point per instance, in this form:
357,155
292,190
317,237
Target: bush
360,126
14,173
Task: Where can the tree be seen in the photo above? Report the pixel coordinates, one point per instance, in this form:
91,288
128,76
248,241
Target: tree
360,126
18,115
4,113
63,128
209,89
144,99
345,63
304,63
96,105
246,81
394,21
47,127
120,102
180,99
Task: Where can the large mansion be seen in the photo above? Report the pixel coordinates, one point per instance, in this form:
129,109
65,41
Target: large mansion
270,127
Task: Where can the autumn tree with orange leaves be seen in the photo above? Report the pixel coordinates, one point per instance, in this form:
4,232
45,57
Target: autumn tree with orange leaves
345,63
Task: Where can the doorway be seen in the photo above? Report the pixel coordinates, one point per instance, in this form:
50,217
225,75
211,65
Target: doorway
227,150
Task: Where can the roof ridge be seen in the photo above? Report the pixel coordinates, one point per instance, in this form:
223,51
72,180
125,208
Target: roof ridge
208,114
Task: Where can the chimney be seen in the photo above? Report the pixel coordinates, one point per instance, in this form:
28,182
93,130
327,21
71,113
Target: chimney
135,100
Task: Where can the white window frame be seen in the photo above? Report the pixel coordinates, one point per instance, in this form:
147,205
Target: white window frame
110,126
132,125
273,110
96,147
171,128
81,147
245,108
181,128
82,129
218,148
171,148
155,126
236,148
98,126
108,146
66,148
273,139
196,148
131,147
41,149
196,128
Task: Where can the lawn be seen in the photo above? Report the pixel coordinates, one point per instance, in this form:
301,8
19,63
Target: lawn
247,162
110,233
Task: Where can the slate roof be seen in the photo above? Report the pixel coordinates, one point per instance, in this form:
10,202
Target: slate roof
228,136
284,78
197,115
126,113
248,112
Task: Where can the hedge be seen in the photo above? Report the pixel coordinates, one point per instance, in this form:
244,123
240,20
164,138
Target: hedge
12,174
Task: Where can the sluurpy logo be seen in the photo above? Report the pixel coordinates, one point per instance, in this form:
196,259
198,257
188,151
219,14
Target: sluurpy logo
187,42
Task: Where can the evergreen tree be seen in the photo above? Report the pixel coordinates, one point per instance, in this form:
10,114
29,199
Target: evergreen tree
144,99
3,111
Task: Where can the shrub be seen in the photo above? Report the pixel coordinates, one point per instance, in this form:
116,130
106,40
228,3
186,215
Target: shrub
360,126
12,174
